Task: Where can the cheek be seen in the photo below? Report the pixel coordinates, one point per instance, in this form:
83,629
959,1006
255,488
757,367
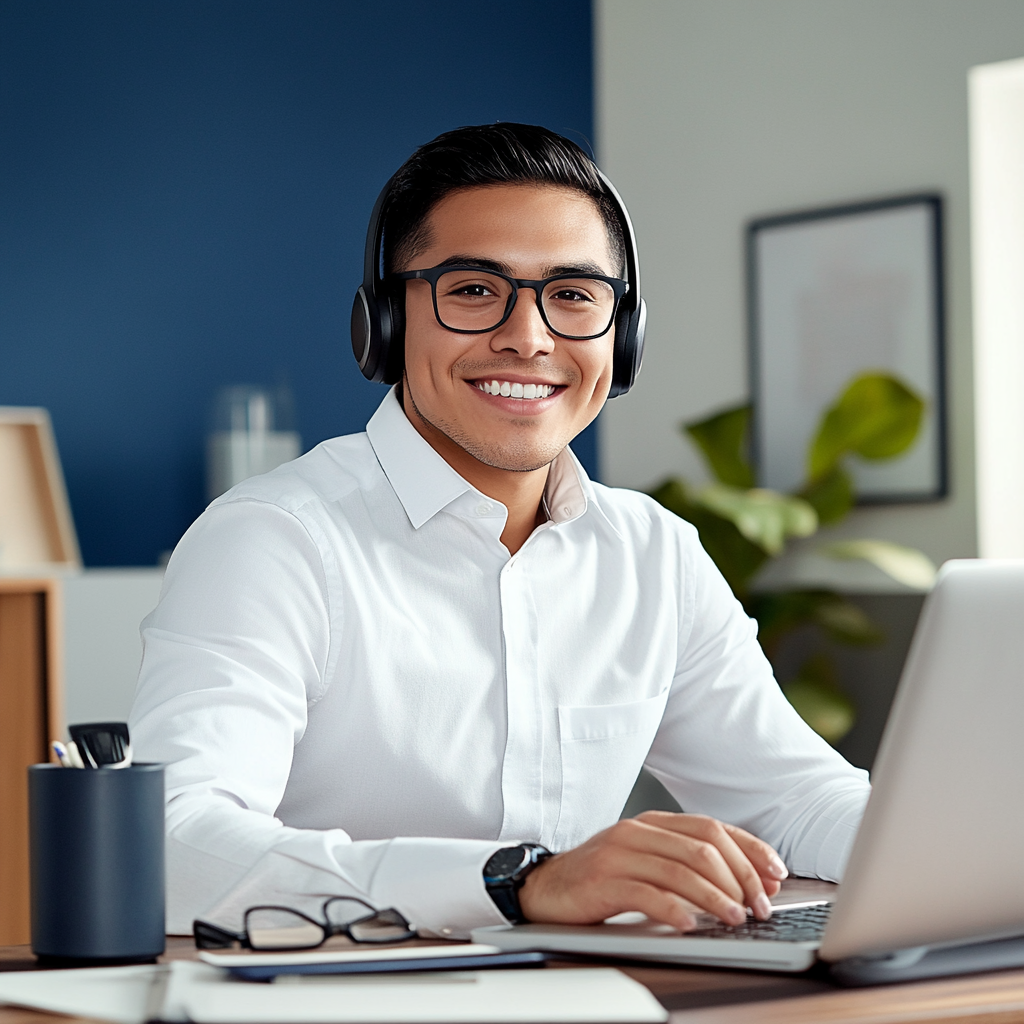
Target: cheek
596,366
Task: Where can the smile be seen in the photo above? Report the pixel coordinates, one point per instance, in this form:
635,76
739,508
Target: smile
509,390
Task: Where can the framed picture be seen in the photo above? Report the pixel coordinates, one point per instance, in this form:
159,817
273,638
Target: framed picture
833,293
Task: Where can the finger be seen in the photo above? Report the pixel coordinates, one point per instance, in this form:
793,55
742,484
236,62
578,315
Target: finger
724,839
656,903
768,863
681,847
689,883
754,895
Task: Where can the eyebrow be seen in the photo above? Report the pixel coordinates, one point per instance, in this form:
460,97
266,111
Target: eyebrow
464,260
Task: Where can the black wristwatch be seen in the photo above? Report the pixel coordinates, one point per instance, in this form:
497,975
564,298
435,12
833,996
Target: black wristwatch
505,873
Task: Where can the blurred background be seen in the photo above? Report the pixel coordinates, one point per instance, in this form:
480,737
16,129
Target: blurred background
184,191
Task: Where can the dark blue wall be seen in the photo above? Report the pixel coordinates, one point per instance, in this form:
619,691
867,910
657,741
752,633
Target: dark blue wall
185,189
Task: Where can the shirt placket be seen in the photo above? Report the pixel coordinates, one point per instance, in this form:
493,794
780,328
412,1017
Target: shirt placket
522,767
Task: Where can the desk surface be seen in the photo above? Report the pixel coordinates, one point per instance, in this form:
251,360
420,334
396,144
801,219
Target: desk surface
706,996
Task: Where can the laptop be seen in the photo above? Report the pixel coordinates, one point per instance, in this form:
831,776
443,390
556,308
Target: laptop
933,884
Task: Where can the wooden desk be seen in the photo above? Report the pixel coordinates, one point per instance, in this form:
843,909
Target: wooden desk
704,996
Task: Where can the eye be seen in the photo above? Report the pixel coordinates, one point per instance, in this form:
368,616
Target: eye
572,295
460,284
472,290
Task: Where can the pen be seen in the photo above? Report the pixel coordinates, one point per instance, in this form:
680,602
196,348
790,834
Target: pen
74,756
62,754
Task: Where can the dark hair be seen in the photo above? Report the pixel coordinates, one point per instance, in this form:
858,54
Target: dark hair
488,154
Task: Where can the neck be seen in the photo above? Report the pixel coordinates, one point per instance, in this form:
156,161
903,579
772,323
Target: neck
520,493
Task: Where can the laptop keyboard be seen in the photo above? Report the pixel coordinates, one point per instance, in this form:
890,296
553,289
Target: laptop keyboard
802,924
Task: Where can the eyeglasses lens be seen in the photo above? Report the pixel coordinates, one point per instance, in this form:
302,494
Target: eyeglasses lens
364,924
476,301
277,928
384,926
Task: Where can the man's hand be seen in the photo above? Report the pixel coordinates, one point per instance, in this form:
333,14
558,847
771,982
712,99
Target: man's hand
651,863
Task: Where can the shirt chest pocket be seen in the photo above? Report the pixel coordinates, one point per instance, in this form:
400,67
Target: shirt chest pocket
602,749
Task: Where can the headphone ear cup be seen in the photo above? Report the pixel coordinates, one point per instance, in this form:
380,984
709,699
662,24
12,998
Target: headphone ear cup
639,330
394,360
630,326
363,326
371,334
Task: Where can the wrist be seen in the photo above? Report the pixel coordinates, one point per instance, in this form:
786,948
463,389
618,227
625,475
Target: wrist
531,894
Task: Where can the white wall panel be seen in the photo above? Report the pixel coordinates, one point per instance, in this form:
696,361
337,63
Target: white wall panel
997,222
102,647
711,112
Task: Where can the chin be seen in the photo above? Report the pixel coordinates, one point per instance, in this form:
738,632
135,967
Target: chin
513,458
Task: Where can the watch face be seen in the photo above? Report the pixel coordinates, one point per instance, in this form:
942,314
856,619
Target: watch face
505,863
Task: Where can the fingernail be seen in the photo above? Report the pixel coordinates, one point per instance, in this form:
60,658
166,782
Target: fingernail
735,914
761,907
777,868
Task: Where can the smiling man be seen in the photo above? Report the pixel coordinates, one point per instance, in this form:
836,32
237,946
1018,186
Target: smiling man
416,662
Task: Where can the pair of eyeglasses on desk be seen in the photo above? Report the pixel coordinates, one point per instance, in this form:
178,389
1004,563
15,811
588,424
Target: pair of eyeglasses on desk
277,929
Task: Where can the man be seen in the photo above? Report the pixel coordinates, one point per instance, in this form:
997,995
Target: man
375,667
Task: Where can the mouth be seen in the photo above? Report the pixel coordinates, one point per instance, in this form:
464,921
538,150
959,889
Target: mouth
516,389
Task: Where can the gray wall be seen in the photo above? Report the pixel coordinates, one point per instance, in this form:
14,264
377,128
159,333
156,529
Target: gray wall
102,648
711,112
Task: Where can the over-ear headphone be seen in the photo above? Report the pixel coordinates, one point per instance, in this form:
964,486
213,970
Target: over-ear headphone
378,312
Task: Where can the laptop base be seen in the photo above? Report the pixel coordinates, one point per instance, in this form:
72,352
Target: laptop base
917,964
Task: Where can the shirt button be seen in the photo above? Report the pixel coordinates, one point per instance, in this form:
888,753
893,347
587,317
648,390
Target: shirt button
483,509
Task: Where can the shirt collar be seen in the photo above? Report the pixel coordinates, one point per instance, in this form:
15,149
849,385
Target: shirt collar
425,483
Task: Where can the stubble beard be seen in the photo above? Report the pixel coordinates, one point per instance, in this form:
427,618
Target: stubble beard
521,453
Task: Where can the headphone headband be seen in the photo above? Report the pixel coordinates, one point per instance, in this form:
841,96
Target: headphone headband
378,315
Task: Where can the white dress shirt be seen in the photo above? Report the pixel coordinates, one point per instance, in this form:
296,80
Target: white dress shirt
357,690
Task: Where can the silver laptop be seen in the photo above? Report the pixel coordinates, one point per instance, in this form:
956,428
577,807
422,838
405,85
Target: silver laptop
933,885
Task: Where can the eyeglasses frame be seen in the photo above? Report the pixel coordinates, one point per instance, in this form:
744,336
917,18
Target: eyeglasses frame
434,274
225,938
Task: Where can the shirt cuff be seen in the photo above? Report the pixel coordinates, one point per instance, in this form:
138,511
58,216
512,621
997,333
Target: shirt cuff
438,884
825,848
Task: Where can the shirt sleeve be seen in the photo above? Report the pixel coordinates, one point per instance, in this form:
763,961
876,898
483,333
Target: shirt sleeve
235,653
731,746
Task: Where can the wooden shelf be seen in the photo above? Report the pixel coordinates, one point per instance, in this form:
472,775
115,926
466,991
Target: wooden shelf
31,712
37,534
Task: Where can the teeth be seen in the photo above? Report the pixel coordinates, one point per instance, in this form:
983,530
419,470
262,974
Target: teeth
509,390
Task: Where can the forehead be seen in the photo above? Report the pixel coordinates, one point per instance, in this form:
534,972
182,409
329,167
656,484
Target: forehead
525,226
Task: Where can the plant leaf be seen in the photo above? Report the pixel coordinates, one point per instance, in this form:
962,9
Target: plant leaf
736,557
778,614
908,566
830,495
818,699
766,518
876,417
847,623
722,439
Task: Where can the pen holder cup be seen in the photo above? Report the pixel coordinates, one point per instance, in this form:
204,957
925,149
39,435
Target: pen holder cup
96,841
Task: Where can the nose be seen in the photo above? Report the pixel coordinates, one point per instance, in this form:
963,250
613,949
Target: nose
524,332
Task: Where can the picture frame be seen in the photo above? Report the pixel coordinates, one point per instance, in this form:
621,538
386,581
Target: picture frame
832,293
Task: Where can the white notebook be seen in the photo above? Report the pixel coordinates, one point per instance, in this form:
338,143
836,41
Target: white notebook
186,991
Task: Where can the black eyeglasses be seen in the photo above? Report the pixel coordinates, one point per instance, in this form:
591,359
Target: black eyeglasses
272,929
470,300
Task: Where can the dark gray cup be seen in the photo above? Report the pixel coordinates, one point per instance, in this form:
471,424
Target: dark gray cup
97,862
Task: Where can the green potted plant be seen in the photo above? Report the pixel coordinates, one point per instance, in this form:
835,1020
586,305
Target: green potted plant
742,527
